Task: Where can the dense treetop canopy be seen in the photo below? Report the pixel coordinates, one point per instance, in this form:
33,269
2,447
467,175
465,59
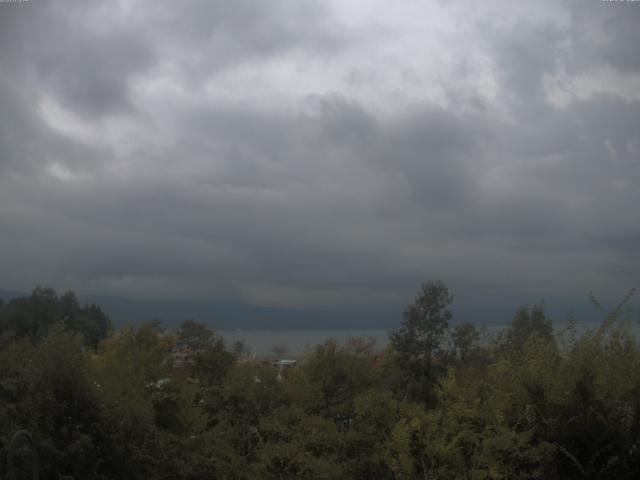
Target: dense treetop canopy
439,402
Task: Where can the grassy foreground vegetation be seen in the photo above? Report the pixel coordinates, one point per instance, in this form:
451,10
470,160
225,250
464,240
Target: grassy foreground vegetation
436,404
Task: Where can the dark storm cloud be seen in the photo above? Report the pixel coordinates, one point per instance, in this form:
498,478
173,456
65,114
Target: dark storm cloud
26,143
85,54
524,51
437,152
292,198
604,34
51,45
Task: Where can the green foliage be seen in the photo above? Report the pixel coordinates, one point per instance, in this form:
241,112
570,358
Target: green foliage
525,323
465,338
47,388
158,405
420,339
335,376
33,316
194,335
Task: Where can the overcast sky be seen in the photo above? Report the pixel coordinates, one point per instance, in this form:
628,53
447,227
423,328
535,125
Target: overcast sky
325,154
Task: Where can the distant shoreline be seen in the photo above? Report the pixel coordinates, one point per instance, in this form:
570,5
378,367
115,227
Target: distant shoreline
296,341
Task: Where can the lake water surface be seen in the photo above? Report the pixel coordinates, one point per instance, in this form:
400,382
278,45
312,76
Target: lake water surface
260,342
297,342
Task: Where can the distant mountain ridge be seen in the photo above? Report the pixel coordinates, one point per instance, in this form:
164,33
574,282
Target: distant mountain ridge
226,315
7,295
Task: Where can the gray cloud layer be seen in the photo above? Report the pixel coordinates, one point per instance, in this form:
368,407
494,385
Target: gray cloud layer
295,155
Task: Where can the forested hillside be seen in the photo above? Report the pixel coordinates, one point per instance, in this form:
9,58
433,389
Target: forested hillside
144,403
